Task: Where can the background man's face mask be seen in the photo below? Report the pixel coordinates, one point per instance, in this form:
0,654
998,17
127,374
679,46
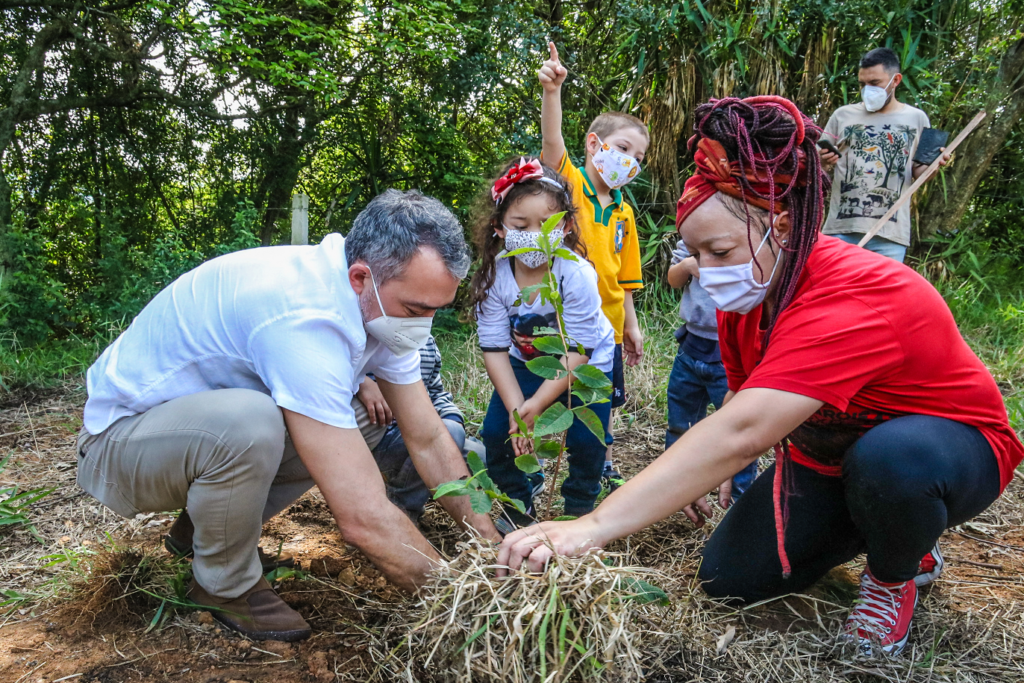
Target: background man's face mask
517,239
401,336
615,168
874,97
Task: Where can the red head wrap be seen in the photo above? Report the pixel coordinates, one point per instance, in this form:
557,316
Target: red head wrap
715,173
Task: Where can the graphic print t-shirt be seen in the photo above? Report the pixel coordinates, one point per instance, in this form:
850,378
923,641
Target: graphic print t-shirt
876,167
873,340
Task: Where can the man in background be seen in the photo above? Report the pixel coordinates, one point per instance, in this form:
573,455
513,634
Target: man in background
877,138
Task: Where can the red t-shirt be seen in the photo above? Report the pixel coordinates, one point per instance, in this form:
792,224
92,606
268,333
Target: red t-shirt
873,340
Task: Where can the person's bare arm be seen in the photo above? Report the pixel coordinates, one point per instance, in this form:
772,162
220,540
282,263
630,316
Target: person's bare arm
711,451
344,470
499,371
376,407
552,74
433,452
632,337
680,273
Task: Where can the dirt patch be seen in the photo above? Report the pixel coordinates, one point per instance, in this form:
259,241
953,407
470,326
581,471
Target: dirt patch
969,626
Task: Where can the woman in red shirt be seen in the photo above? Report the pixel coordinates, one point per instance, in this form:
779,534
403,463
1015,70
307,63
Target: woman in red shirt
891,429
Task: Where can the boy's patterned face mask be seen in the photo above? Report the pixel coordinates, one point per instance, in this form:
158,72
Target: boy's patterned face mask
615,168
517,239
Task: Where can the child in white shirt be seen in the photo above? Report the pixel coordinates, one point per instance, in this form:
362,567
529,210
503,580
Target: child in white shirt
522,198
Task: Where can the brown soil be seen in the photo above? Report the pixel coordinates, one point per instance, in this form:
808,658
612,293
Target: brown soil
69,631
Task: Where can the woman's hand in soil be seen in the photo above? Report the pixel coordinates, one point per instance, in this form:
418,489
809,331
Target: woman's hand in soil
700,510
370,396
531,548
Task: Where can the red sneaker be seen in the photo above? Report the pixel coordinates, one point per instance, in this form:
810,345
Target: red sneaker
930,567
882,616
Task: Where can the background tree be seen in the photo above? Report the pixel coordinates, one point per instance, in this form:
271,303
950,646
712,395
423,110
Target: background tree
140,137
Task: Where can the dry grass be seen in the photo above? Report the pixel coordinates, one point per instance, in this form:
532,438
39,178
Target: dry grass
582,620
969,626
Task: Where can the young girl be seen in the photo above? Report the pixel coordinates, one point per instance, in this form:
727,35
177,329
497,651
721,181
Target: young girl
521,199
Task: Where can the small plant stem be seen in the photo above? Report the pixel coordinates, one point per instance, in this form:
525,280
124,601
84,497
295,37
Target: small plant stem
568,391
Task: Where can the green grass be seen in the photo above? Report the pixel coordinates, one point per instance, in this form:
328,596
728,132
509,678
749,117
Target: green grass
52,363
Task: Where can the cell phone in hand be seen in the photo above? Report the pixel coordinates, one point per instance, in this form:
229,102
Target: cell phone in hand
829,146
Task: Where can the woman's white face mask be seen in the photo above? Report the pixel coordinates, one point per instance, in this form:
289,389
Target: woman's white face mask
733,288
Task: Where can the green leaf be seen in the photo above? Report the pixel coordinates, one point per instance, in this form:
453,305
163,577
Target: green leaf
588,396
525,293
520,250
552,345
480,501
551,223
547,367
564,518
591,420
450,488
557,418
548,449
564,253
591,376
516,503
644,592
542,330
482,480
476,464
523,429
528,463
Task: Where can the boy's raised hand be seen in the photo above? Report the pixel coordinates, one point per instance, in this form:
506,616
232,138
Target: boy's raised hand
552,74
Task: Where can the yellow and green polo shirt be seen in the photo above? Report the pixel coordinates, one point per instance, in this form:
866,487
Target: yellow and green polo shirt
609,233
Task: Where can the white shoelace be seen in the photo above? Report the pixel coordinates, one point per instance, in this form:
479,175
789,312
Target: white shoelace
878,607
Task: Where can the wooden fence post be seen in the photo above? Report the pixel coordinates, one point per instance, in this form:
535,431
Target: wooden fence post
300,219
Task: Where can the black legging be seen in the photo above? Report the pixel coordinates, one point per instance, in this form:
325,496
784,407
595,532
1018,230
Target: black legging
904,482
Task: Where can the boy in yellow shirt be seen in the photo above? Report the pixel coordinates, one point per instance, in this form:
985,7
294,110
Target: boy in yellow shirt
615,146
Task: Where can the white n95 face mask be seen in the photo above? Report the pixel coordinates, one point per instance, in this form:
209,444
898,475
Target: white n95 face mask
401,336
874,98
733,288
517,239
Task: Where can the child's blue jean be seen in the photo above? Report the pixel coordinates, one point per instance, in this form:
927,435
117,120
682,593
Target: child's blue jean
692,386
585,451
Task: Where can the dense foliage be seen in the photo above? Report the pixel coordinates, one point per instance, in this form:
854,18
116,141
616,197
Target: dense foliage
139,137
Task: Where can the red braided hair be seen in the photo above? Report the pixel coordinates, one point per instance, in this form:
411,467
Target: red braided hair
769,140
762,151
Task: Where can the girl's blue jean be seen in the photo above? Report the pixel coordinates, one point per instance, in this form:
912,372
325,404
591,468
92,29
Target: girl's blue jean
692,386
585,451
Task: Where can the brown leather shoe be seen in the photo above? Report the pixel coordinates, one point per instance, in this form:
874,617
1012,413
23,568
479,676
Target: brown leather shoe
178,541
259,613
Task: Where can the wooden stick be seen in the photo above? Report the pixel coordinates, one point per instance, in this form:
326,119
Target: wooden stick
905,197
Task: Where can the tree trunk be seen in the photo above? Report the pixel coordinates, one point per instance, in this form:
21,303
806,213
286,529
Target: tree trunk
942,212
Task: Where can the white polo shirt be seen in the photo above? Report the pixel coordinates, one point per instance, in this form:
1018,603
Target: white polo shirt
280,320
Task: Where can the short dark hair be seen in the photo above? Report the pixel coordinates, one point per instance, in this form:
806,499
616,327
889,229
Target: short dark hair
888,58
395,225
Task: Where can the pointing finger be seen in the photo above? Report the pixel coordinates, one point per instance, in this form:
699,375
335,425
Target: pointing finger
553,51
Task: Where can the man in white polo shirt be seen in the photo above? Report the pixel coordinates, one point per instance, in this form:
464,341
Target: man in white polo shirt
231,395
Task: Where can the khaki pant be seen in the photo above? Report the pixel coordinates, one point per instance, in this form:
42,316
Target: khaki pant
225,455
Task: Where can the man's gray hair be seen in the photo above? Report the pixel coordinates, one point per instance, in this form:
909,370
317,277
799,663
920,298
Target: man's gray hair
395,225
